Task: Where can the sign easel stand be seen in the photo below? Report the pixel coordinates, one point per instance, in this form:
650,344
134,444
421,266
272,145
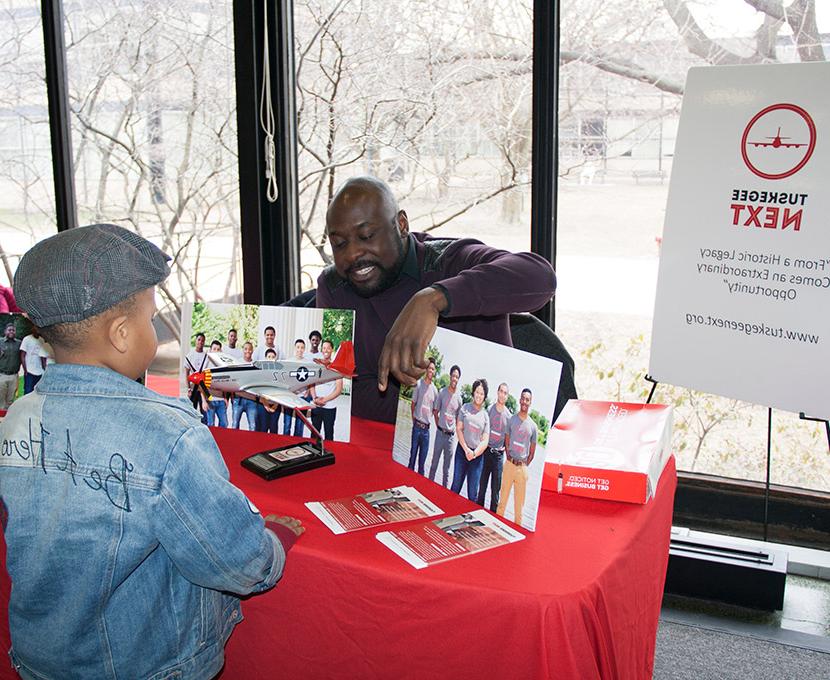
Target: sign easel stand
801,416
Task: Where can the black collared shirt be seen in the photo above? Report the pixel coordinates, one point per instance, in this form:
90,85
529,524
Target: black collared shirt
9,356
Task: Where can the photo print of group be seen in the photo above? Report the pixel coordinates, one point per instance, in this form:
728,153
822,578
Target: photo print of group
277,350
477,422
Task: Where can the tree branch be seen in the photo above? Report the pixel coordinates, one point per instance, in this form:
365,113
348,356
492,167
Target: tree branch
698,42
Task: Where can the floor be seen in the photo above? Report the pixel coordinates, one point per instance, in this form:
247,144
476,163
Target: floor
804,621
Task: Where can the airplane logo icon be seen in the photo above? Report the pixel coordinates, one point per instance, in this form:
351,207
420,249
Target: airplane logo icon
777,142
301,374
795,148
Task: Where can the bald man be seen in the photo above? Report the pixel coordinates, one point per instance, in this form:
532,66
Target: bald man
402,285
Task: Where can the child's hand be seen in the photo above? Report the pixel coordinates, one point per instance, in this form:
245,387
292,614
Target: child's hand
290,522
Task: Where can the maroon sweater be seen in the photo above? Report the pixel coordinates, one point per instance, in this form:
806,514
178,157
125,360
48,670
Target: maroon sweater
483,285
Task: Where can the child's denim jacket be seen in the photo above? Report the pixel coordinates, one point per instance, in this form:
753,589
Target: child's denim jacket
123,535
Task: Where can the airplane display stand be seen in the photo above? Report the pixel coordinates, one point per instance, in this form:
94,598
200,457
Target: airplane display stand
801,416
292,458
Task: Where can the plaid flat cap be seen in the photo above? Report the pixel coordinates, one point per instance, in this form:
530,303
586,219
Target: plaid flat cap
84,271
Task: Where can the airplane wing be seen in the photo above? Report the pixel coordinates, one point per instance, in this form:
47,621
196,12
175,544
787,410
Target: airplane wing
279,396
218,359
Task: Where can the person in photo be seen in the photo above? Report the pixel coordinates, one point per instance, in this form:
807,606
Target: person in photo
9,366
241,406
402,285
128,549
270,335
288,416
445,413
268,418
217,413
494,455
520,447
314,339
324,396
195,361
473,430
230,347
34,355
423,400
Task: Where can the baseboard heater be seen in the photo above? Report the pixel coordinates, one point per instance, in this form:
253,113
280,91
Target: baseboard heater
712,569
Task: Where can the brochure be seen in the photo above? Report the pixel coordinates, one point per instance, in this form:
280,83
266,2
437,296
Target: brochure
448,538
610,450
372,509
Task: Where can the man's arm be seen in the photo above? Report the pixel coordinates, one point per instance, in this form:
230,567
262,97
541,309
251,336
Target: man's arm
338,389
480,281
403,353
459,431
532,451
413,402
213,534
485,438
485,281
23,360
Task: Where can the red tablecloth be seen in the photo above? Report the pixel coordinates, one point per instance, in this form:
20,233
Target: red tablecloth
579,598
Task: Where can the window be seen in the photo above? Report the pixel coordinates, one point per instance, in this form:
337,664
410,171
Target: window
27,193
433,98
623,70
152,100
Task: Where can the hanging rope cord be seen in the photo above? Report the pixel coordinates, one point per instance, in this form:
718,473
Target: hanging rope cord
266,116
266,107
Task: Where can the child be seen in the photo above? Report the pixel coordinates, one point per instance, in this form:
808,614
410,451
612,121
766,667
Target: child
124,535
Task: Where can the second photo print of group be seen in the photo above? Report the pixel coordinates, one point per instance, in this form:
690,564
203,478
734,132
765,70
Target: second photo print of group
477,422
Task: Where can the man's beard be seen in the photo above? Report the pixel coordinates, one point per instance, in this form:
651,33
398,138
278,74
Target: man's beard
387,277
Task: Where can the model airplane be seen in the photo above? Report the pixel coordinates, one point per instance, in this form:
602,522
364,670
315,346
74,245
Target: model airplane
274,382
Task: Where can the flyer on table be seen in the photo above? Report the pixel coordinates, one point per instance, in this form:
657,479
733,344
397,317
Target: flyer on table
372,509
744,280
449,538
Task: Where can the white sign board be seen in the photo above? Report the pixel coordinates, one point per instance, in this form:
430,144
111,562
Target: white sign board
743,293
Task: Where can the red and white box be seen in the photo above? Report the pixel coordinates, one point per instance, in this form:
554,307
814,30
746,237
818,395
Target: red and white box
608,449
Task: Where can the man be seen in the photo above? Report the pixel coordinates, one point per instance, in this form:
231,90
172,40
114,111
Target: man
195,361
217,405
299,355
246,406
445,414
314,339
267,420
33,356
421,407
402,285
231,349
270,339
520,447
324,395
494,455
9,366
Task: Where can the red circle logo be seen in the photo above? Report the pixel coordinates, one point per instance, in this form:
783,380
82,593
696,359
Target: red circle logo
778,141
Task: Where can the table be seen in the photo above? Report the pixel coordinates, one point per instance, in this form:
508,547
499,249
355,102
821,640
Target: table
579,598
